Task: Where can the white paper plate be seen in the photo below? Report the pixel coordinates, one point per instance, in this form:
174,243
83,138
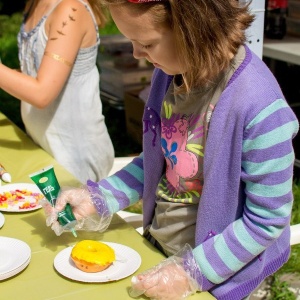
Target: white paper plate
15,271
14,256
16,206
127,262
2,220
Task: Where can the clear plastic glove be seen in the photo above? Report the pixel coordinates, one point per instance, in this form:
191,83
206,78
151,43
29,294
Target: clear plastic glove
83,207
173,279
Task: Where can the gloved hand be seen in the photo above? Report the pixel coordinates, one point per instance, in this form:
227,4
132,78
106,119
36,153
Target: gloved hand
173,279
82,200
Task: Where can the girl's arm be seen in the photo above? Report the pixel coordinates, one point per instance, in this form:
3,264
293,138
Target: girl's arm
267,171
125,187
67,29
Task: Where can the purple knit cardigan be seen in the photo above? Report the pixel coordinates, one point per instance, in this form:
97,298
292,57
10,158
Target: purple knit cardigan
242,228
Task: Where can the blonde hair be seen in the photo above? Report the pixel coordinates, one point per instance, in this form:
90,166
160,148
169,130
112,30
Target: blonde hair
98,12
95,5
207,33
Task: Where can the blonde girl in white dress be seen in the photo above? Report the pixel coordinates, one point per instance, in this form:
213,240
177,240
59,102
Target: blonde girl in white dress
59,84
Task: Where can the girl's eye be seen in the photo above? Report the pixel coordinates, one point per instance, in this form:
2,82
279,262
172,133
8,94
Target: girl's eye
146,46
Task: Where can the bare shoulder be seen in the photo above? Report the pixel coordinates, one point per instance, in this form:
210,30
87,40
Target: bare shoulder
71,9
71,22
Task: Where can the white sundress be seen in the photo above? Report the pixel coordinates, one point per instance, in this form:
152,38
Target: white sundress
72,127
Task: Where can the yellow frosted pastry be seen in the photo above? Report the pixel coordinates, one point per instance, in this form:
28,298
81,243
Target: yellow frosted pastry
92,256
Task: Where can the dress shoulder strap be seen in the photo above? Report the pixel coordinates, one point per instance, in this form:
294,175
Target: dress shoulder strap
88,7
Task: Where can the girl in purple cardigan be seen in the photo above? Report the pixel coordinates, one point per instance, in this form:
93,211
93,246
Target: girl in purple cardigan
216,172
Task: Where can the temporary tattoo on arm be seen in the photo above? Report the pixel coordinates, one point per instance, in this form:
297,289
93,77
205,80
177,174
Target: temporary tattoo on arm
58,58
64,24
60,32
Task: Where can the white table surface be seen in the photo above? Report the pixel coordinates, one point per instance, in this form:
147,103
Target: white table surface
287,49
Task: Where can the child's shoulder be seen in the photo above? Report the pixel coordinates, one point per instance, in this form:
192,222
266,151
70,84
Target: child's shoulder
68,12
71,7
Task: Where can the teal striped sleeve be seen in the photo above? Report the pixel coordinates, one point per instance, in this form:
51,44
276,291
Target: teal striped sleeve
125,187
267,171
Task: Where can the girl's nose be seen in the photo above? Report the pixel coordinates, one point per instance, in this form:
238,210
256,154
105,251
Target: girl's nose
138,52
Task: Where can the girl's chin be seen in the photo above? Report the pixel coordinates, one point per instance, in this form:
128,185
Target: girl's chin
167,71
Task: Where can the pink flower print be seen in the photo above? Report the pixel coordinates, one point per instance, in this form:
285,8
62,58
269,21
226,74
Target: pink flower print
168,127
180,162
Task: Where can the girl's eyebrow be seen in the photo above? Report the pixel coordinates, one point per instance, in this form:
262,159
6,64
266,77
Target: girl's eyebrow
143,41
139,42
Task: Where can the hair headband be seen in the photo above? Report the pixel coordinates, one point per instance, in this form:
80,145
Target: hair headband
145,1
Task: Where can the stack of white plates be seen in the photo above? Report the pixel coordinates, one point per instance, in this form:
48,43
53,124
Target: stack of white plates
14,257
2,220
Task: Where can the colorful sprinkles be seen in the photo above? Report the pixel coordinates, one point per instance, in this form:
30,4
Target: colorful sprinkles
19,199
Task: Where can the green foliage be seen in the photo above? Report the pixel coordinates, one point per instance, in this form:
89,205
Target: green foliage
11,108
110,28
279,290
293,264
9,28
295,219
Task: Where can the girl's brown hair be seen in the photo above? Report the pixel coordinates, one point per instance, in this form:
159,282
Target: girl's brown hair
207,33
95,5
